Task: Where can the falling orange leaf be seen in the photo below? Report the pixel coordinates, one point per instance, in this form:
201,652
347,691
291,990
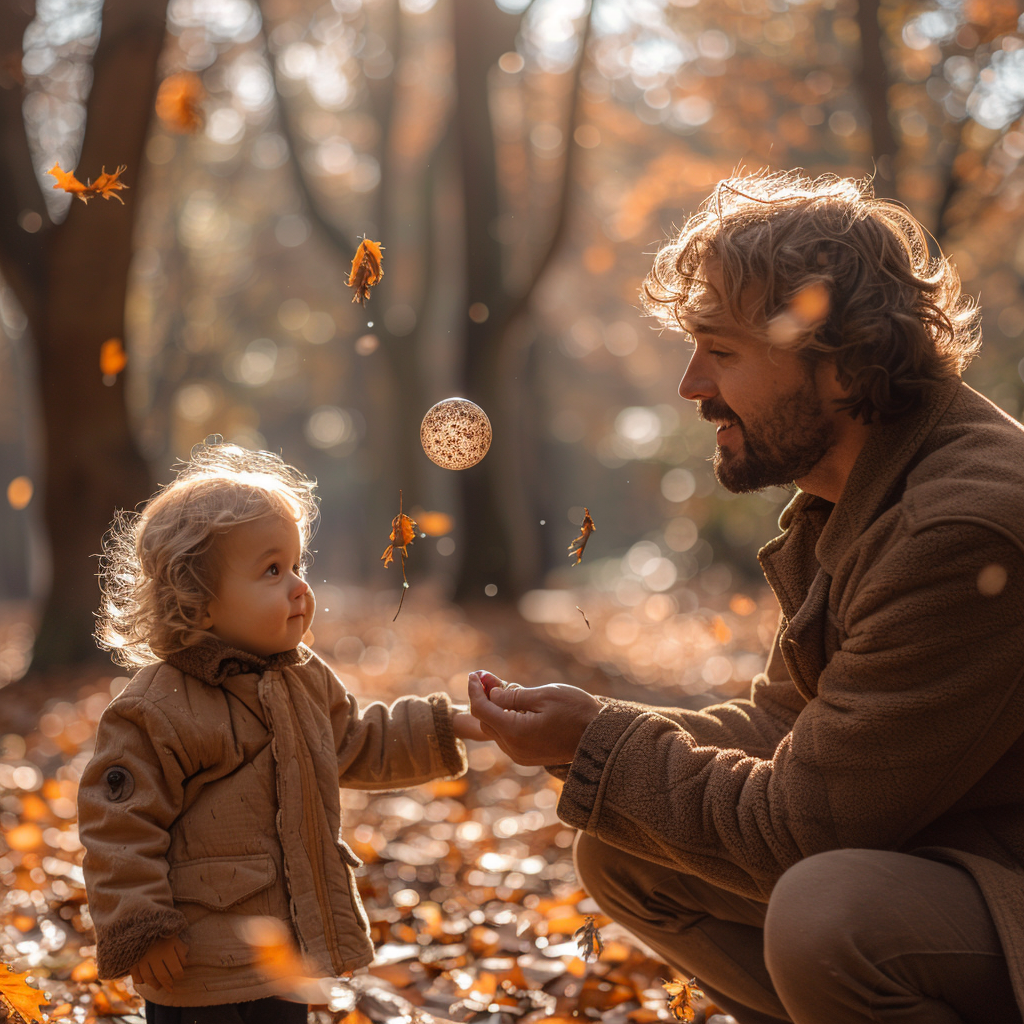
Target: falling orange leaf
279,960
366,269
589,940
403,533
106,185
179,102
584,614
18,995
587,527
683,993
113,358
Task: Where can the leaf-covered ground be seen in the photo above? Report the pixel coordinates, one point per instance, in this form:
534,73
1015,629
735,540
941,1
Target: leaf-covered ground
469,884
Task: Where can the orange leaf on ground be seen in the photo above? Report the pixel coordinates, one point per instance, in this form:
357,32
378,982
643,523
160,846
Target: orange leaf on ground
366,269
107,185
17,994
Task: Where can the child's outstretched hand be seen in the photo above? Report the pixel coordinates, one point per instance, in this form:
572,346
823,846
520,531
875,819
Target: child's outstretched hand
163,964
465,726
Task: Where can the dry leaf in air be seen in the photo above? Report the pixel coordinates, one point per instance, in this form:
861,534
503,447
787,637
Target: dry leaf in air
366,269
588,938
587,527
106,185
403,533
179,102
113,358
17,994
683,994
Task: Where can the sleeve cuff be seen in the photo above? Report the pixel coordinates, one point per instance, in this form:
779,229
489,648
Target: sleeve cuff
453,750
578,803
120,947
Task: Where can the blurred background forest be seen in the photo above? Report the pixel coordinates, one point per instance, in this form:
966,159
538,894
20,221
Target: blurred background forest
519,160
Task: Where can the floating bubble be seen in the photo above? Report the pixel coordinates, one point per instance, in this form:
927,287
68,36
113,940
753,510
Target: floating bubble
455,433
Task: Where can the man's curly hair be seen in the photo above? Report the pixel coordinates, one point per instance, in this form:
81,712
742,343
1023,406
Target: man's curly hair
847,277
159,567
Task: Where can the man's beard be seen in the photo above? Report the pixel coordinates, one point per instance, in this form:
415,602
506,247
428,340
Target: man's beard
783,445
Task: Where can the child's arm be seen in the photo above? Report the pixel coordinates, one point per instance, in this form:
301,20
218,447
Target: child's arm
414,740
130,793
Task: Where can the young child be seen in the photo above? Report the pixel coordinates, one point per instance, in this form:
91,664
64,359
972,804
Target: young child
212,796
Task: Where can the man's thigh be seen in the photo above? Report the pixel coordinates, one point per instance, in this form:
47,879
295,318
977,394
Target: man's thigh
897,936
627,886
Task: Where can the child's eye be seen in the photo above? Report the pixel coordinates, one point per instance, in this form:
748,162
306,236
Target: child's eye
274,570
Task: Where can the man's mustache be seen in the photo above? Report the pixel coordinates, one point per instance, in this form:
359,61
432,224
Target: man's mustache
711,409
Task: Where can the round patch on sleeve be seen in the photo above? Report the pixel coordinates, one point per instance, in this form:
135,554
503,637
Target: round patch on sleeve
120,784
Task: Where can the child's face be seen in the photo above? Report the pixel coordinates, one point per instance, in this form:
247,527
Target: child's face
262,603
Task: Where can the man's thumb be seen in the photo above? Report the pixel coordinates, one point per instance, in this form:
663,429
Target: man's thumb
509,696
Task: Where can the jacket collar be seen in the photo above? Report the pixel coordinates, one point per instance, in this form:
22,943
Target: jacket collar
213,661
877,475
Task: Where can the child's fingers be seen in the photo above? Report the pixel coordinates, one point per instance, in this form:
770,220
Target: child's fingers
163,974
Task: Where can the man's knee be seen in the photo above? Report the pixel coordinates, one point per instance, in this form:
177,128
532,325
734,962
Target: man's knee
817,902
599,869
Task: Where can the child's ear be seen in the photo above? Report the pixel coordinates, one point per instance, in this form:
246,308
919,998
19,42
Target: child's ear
206,620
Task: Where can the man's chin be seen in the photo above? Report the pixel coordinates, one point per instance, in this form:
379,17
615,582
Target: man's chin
735,474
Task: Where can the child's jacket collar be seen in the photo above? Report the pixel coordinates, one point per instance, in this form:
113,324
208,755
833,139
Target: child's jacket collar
213,661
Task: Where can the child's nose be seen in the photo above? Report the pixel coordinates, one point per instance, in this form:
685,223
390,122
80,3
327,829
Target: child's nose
300,587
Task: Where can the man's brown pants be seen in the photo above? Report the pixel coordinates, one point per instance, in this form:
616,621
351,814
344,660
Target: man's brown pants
848,937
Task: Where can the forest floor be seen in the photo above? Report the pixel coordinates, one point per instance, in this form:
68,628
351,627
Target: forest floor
469,884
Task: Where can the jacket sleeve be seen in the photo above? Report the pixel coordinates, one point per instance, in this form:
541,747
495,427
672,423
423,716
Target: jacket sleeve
382,747
130,793
755,725
923,696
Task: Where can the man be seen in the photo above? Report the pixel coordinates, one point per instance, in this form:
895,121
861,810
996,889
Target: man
846,845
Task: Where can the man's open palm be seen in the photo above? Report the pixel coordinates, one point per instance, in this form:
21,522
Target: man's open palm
533,725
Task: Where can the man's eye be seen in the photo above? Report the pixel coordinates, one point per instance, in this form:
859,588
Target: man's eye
718,353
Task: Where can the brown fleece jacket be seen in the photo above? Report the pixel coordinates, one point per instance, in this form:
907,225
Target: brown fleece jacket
213,798
891,712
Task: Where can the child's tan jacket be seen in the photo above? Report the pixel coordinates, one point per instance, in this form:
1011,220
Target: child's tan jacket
213,797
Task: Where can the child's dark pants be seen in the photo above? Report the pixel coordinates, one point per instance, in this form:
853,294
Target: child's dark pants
259,1011
848,937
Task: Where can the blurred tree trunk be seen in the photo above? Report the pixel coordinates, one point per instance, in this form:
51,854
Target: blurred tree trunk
483,32
71,280
873,81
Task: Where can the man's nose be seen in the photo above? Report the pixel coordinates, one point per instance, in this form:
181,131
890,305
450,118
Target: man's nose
696,384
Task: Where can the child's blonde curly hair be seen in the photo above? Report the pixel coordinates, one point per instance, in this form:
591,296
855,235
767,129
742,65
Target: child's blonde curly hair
158,569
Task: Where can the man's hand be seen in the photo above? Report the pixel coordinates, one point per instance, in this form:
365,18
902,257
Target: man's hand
533,725
163,964
465,726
